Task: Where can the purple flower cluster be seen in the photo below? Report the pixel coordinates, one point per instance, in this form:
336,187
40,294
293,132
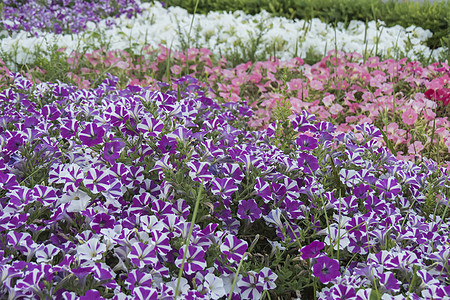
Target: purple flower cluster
70,16
98,186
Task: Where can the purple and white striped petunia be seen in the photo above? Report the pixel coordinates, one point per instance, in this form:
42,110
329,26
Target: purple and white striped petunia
45,195
250,286
263,190
149,126
161,241
46,253
142,254
137,278
195,259
96,180
389,188
389,282
92,250
349,177
199,171
268,278
233,171
69,128
31,281
343,292
233,248
224,187
146,293
71,175
92,135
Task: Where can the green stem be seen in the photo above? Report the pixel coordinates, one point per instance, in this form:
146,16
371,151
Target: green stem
192,23
236,276
188,240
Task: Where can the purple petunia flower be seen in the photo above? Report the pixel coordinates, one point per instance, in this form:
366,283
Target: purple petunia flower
248,209
91,295
167,144
112,150
362,191
102,220
92,135
308,162
14,142
312,250
326,269
306,143
69,129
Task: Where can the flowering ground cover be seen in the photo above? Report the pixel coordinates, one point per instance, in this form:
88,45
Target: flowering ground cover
264,36
61,16
406,100
171,174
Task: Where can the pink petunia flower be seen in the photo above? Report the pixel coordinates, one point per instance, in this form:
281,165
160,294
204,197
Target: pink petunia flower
409,116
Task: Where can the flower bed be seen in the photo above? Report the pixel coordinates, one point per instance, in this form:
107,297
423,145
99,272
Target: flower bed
264,36
68,16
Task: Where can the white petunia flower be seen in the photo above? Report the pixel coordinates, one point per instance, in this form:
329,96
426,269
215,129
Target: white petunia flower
78,201
92,250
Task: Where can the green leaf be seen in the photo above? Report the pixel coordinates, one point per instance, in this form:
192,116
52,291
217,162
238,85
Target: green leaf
375,295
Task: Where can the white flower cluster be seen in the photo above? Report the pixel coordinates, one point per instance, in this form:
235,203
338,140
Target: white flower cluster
223,33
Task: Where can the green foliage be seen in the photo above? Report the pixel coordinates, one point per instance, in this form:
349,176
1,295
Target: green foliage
285,134
54,63
292,274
